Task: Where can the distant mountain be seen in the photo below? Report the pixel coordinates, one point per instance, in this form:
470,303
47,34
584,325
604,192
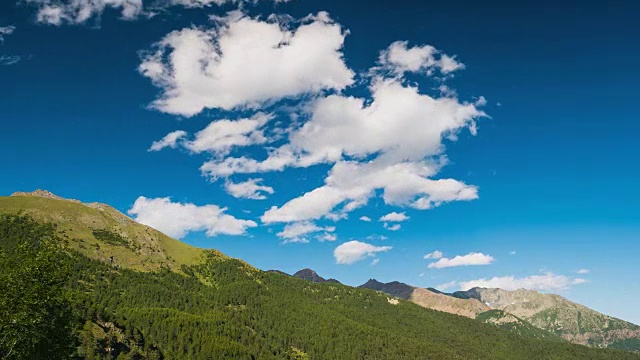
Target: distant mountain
310,275
553,313
429,299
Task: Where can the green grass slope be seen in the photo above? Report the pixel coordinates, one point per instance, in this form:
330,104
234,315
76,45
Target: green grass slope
132,245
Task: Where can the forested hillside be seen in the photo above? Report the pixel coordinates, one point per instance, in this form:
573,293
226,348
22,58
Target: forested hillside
224,308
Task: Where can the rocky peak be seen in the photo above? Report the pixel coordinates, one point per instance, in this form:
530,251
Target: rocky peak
310,275
44,194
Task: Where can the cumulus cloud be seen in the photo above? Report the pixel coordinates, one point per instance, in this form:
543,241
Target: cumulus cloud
462,260
245,62
394,227
544,282
219,137
389,143
434,255
177,219
222,135
400,58
583,271
365,218
394,217
354,251
250,189
169,140
296,232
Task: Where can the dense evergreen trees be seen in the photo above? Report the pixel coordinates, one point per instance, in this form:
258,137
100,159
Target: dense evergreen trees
225,309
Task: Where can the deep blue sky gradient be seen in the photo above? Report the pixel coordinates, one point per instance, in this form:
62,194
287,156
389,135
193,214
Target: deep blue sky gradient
556,164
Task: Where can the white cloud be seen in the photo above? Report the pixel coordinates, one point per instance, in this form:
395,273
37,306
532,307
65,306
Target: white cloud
377,237
583,271
394,227
7,59
250,189
375,262
327,237
544,282
434,255
365,218
58,12
394,217
512,252
6,30
353,183
178,219
462,260
222,135
354,251
245,62
400,58
219,137
75,12
169,140
296,232
390,143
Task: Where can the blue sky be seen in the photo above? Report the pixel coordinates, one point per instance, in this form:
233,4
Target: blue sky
550,174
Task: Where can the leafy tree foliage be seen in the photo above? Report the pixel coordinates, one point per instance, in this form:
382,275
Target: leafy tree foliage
35,315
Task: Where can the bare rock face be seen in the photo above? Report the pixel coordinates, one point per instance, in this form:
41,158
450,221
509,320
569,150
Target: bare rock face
43,194
571,321
429,299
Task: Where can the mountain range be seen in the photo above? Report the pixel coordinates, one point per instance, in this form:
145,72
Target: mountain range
143,295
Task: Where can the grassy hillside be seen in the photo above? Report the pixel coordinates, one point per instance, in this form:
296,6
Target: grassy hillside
204,305
142,248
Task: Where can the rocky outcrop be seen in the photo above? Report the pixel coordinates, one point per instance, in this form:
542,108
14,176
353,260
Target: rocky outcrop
43,194
429,299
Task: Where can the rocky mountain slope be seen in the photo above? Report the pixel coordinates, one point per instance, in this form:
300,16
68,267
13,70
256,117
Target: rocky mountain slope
426,298
553,313
310,275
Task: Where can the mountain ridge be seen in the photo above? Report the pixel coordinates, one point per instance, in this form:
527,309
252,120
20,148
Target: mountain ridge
464,307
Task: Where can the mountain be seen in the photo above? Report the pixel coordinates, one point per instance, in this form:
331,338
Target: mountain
429,299
162,299
310,275
553,313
